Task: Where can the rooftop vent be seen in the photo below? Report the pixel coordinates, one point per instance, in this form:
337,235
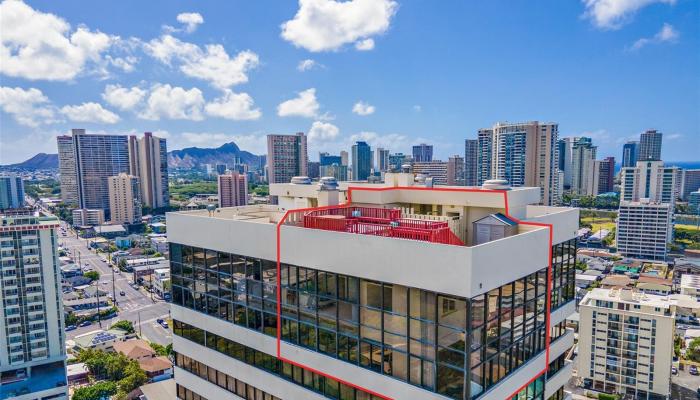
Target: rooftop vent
328,183
496,184
301,180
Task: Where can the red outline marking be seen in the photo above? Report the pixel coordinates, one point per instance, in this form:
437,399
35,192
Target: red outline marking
382,189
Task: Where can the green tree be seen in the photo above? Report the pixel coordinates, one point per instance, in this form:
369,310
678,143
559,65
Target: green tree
124,325
693,350
92,275
162,350
97,391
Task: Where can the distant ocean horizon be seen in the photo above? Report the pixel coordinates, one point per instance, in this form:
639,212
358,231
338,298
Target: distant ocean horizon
680,164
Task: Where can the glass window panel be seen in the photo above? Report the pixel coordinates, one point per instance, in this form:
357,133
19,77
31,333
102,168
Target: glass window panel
452,312
395,324
421,330
422,304
371,294
371,318
450,382
448,337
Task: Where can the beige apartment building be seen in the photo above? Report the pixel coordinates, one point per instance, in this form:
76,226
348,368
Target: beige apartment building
233,189
124,199
625,342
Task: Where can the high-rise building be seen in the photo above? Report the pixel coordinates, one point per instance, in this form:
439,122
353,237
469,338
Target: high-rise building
423,153
11,192
644,228
148,160
690,182
220,169
694,202
397,160
360,315
382,163
232,189
524,154
484,156
361,161
88,217
125,199
471,161
625,342
287,157
339,172
565,149
455,171
649,180
435,169
328,159
313,169
85,164
583,155
32,338
650,146
603,180
344,158
630,154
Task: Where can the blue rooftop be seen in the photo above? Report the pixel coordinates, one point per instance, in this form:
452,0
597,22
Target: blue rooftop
44,377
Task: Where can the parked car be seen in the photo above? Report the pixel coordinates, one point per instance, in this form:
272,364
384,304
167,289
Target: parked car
674,370
162,323
121,293
693,370
85,323
71,328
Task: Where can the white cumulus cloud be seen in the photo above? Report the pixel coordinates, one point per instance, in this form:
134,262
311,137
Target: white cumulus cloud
29,107
165,101
666,34
90,112
613,14
304,105
323,132
42,46
308,64
122,97
362,108
190,20
235,106
212,64
324,25
365,45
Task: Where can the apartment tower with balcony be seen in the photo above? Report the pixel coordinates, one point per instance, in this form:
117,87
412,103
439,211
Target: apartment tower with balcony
625,344
389,290
32,338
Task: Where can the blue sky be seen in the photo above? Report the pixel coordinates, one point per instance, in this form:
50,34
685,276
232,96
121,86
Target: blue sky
395,73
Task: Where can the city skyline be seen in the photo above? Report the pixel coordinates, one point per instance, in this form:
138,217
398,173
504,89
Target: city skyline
120,78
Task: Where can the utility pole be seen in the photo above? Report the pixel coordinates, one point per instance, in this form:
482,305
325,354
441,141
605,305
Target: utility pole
97,293
140,333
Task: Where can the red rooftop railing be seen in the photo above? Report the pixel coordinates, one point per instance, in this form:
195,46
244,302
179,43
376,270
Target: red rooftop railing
385,222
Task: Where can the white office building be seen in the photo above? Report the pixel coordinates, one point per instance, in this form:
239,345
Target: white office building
385,297
625,344
32,341
644,229
649,180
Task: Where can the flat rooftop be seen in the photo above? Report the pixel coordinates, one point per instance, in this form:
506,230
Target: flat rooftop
43,377
628,296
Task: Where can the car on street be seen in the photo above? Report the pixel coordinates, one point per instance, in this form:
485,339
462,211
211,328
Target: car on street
85,323
71,328
693,370
674,370
162,323
121,293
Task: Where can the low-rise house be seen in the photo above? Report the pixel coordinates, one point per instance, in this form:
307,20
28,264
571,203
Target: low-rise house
99,339
690,266
584,281
158,227
156,367
77,374
161,282
162,390
654,285
86,303
612,281
690,285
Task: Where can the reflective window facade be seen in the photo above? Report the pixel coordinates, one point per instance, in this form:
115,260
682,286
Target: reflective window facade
417,336
563,265
269,363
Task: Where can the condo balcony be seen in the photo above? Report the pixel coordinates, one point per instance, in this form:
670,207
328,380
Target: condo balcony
386,222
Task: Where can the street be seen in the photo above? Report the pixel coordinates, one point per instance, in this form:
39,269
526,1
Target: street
684,386
135,306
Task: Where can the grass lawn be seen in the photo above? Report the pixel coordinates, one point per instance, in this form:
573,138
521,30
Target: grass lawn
598,223
689,227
